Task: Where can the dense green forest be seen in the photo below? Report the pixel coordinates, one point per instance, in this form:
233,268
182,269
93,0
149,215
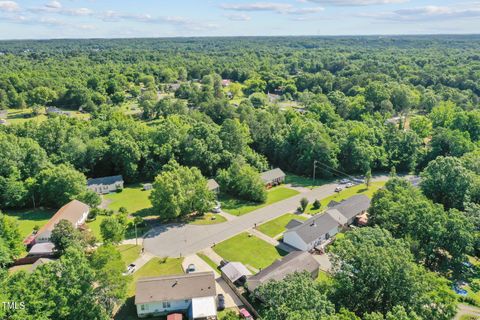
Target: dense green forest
229,108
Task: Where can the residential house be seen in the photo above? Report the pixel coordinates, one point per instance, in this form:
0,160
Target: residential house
296,261
193,294
75,212
235,273
312,232
213,185
58,112
226,82
322,227
273,177
106,184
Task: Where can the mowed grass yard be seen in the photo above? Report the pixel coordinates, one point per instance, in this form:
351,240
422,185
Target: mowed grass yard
347,193
241,207
28,219
306,182
277,226
249,250
129,252
133,198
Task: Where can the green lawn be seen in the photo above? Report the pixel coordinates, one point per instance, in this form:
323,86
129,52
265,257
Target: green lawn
28,219
208,261
324,278
347,193
95,226
305,182
157,267
208,218
129,252
249,250
133,198
277,226
241,207
18,116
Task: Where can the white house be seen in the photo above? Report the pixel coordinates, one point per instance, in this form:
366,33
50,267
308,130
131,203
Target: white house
75,212
193,294
318,229
106,184
213,185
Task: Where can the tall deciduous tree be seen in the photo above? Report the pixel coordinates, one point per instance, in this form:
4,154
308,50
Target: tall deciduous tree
179,191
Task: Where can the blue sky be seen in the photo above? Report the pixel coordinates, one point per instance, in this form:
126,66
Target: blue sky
38,19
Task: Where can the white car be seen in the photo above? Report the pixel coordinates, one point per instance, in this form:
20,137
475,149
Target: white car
217,208
344,181
349,185
130,269
338,189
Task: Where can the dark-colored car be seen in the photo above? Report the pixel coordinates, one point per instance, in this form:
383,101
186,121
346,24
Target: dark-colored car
220,302
223,263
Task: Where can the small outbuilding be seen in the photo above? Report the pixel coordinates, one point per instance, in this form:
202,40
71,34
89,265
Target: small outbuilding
235,273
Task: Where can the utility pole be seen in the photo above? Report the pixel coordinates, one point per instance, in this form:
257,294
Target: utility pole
314,167
136,237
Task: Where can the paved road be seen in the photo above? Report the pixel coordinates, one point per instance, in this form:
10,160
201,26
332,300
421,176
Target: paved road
176,240
464,310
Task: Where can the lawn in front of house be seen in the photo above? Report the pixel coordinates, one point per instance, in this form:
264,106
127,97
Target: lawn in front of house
277,226
249,250
28,219
345,194
132,197
305,182
129,252
241,207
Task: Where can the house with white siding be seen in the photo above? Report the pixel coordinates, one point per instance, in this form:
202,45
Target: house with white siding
105,185
193,294
318,229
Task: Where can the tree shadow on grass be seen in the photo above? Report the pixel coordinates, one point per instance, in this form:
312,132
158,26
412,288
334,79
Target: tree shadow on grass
362,190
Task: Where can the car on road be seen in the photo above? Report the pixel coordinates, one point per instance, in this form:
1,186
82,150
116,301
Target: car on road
338,189
217,208
344,181
191,268
349,185
130,269
244,314
220,302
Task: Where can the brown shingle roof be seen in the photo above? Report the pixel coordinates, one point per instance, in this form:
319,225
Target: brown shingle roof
175,287
72,212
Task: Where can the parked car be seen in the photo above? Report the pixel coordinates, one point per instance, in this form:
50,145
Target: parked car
130,269
217,208
223,263
349,185
244,314
338,189
220,302
191,268
344,181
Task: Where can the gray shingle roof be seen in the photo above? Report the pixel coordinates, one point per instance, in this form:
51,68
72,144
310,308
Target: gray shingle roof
293,223
315,227
235,270
353,206
175,287
271,175
296,261
105,180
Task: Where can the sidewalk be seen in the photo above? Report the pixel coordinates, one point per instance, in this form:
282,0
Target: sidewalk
272,241
142,260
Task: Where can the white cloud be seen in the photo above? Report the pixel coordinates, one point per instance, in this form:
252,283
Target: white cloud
9,6
54,5
355,2
238,17
426,13
282,8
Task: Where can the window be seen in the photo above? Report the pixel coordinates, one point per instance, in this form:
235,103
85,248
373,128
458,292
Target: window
166,304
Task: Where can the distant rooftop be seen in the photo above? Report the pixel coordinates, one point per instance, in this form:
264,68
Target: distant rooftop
105,180
272,175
